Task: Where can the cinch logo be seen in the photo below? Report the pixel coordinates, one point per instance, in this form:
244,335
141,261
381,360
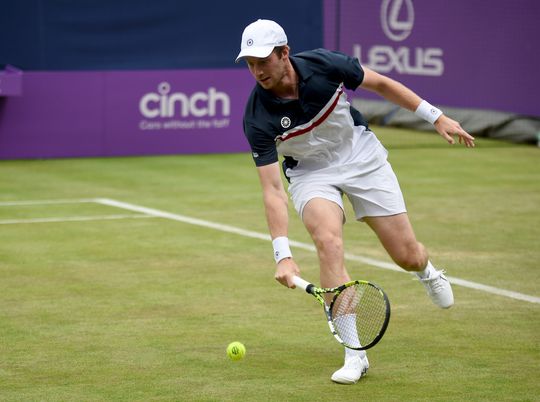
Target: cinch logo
198,104
397,26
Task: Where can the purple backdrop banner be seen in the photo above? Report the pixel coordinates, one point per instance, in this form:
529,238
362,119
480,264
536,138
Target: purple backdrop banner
470,54
71,114
467,54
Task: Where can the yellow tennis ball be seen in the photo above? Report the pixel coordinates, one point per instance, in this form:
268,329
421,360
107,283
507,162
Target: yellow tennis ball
236,351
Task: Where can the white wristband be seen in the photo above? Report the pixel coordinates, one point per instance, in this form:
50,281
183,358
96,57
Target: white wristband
281,248
428,112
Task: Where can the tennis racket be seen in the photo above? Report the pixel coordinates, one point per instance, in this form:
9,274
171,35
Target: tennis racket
358,313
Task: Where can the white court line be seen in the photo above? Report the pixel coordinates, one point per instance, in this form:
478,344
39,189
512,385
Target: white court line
45,202
73,219
305,246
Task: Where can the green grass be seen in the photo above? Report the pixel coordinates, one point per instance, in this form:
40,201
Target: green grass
143,309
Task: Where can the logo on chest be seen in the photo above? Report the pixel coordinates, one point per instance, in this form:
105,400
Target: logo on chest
285,122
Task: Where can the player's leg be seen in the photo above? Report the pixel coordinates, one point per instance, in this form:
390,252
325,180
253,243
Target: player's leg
397,237
377,199
320,206
324,221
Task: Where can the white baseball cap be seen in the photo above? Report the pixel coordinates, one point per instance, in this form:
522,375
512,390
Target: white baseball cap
260,38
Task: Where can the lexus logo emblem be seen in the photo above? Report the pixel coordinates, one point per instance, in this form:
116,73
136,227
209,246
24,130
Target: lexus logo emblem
397,18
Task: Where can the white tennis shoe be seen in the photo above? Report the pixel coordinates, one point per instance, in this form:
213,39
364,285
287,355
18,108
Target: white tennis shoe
354,368
439,289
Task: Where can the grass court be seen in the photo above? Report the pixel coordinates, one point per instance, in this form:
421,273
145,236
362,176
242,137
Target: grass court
124,279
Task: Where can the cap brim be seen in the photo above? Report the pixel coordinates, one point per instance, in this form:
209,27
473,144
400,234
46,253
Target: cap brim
261,52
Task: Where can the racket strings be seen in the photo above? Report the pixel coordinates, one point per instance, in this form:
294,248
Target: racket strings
359,314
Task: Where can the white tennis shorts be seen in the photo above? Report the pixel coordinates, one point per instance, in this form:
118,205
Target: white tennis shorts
369,183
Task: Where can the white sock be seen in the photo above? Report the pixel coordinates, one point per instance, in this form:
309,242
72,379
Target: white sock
426,273
353,353
346,327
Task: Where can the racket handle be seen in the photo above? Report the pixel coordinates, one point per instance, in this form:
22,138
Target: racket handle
302,284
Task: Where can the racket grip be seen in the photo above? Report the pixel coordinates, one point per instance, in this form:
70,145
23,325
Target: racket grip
300,283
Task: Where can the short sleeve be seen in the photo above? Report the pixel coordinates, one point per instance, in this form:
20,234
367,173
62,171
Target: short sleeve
263,147
344,68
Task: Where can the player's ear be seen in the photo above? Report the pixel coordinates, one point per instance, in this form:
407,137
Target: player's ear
282,51
286,51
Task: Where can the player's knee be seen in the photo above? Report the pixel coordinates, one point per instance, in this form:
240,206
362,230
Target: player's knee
328,243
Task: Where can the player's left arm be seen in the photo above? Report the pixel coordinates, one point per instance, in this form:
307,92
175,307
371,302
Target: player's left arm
399,94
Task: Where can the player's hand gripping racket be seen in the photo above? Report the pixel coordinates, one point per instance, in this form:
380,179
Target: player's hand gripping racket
358,314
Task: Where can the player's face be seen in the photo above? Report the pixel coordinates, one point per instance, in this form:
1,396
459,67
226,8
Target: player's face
268,71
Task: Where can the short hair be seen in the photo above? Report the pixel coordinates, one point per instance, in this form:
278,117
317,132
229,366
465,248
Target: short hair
279,50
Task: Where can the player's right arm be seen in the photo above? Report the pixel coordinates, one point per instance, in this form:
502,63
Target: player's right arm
277,215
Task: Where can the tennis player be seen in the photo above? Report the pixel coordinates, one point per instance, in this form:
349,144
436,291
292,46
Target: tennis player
298,109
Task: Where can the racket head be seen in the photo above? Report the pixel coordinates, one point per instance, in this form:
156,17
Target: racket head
359,314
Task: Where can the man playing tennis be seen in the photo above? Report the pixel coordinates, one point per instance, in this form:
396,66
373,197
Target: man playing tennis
298,109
